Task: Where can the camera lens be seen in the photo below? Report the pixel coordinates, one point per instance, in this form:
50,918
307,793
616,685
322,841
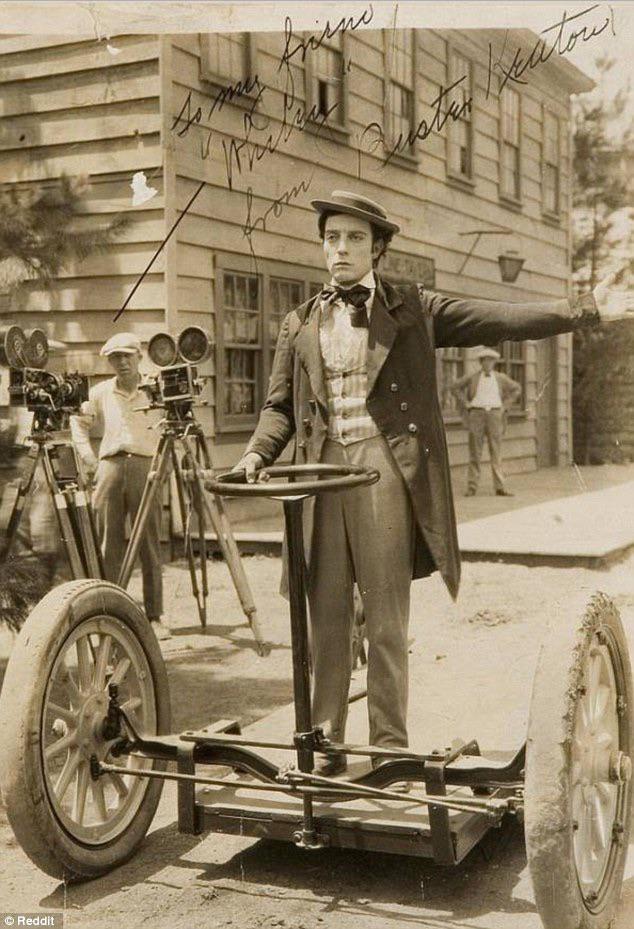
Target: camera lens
194,345
12,347
36,348
162,349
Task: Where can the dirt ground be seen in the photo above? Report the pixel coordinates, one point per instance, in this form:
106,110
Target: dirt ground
471,669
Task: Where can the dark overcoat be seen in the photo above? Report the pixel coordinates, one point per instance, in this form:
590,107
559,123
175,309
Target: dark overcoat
407,324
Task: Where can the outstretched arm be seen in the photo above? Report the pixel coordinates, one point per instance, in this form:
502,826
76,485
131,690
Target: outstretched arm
471,322
487,322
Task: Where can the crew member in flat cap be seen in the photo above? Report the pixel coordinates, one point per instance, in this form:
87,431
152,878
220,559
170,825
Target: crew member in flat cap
120,470
484,399
354,380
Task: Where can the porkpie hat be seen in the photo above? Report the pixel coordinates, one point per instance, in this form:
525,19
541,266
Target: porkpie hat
126,342
488,353
342,201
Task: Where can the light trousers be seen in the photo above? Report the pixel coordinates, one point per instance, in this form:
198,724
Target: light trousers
119,486
364,535
489,424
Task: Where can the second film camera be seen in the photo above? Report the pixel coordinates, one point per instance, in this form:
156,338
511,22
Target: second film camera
51,397
178,384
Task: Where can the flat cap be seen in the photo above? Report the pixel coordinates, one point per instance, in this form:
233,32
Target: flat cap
126,342
343,201
488,353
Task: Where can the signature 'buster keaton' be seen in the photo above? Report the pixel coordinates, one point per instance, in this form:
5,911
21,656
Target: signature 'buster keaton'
354,379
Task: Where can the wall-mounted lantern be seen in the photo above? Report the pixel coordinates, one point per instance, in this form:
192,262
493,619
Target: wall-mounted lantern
510,266
510,261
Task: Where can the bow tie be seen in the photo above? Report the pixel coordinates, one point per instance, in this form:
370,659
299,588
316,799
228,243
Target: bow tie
356,297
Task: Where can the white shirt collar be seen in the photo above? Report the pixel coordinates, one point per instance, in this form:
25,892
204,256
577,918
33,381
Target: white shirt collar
367,280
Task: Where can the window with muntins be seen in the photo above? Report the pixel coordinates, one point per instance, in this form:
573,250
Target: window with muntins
513,363
251,308
325,74
225,56
550,164
460,160
452,368
399,70
510,179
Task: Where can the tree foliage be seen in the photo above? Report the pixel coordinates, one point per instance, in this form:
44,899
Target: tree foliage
601,137
42,231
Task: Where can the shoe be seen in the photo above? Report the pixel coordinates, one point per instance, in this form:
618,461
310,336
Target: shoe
331,765
161,630
504,493
470,492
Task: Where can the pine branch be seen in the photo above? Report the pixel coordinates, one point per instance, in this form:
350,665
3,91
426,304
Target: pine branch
37,238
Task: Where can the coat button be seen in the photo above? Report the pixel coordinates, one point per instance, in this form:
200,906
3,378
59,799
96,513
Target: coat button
301,444
413,428
404,406
393,388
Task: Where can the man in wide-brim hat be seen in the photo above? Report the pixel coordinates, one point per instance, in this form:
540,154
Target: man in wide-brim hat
354,380
485,398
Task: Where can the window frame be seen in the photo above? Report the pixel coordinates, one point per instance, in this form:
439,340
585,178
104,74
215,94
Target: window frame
443,359
546,211
224,80
409,156
506,363
452,173
506,198
342,127
228,262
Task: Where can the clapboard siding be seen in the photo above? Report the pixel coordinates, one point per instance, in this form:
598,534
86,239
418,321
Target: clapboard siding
431,210
73,107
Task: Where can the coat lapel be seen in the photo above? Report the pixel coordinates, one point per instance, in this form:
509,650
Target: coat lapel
382,330
309,350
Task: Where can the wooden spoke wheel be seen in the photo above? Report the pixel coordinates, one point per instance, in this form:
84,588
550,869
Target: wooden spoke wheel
578,769
80,638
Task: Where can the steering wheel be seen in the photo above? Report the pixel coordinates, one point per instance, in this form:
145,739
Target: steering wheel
313,479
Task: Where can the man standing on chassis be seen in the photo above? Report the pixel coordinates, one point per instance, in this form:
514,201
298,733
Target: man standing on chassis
125,455
354,379
485,399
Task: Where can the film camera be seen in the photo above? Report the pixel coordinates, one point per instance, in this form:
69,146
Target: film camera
52,398
178,384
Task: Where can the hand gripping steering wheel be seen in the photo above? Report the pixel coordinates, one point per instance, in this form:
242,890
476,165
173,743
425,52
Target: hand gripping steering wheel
305,481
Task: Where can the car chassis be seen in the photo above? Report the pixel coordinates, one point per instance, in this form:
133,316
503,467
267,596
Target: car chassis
571,779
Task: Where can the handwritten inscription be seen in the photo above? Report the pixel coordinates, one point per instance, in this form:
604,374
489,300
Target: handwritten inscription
264,135
241,154
444,108
249,87
561,39
276,208
302,46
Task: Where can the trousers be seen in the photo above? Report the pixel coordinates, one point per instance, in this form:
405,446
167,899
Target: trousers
364,535
119,485
489,423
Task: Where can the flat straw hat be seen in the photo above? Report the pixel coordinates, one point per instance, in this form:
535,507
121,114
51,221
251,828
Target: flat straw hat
342,201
